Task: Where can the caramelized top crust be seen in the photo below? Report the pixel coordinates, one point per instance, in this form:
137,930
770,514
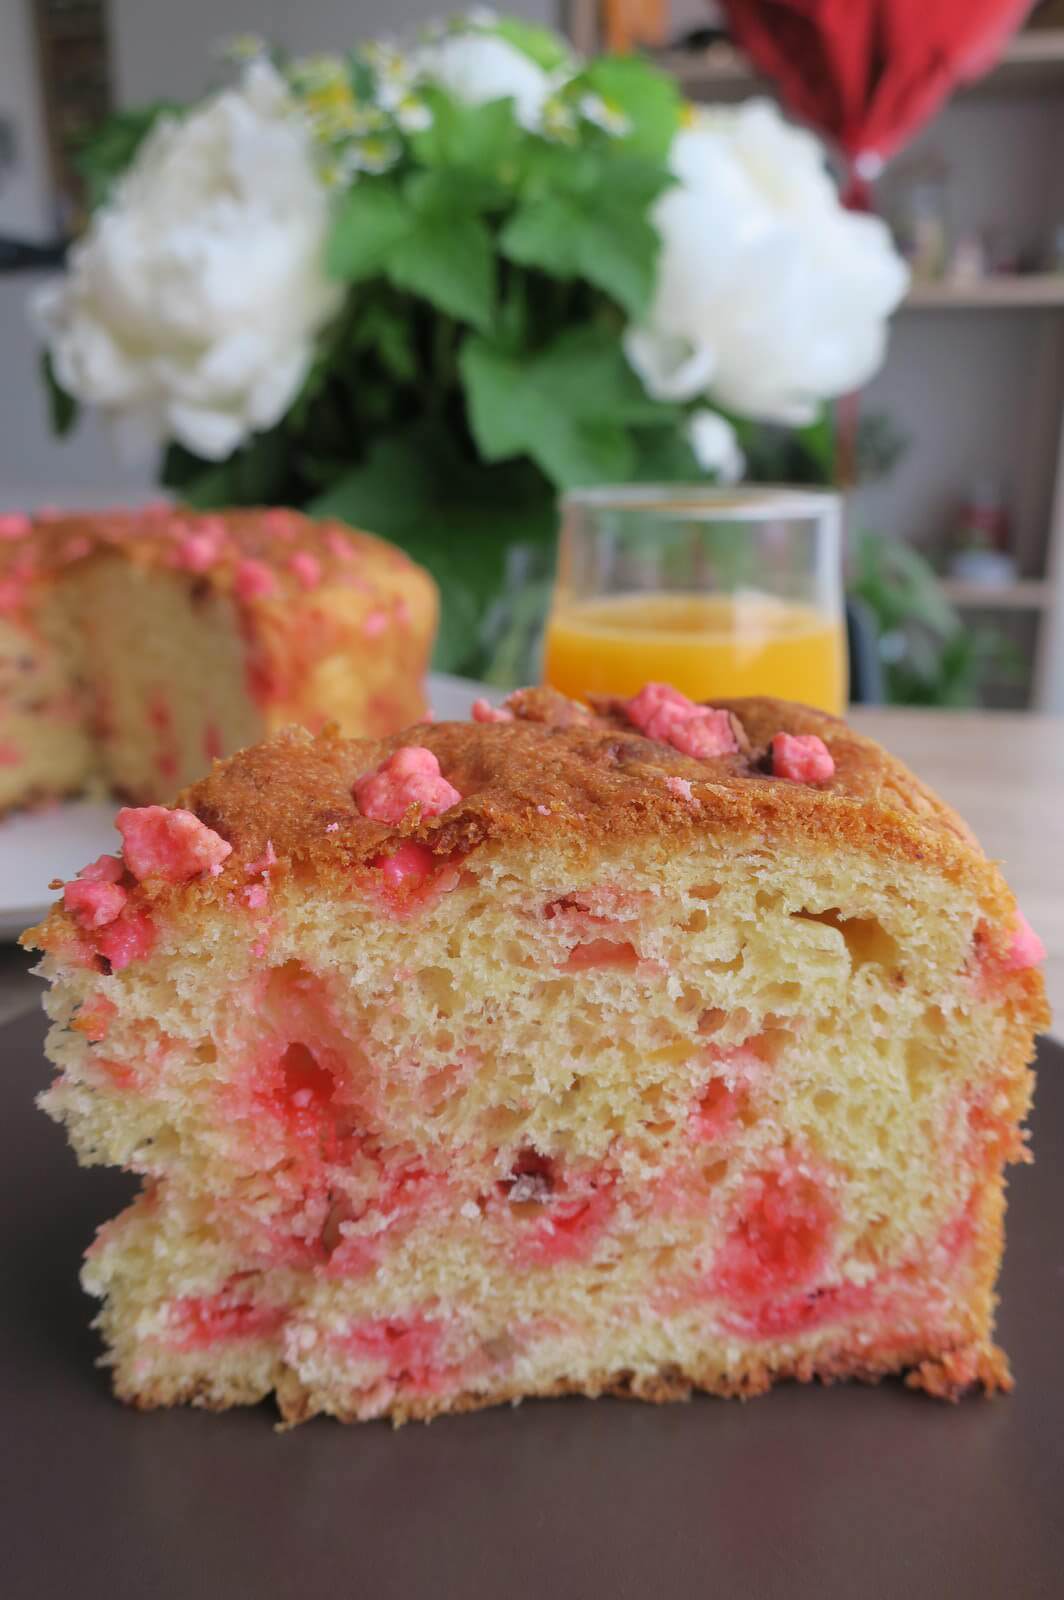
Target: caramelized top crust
296,552
558,766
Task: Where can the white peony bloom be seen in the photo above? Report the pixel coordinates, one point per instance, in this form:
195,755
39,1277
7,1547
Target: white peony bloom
771,297
715,445
475,67
189,309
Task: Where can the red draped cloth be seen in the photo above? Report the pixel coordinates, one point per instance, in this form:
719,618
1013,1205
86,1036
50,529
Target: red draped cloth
868,73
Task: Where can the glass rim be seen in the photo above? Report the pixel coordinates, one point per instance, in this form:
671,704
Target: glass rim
741,504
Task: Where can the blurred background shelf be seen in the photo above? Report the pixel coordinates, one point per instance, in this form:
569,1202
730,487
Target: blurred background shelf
1032,62
1009,292
1026,594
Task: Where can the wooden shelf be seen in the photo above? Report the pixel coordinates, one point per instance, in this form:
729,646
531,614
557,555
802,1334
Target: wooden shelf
1033,59
1029,291
1026,594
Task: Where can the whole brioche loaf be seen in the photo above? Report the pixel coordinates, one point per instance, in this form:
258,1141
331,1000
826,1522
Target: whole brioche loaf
643,1050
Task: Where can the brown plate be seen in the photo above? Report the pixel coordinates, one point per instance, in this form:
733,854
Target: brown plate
846,1492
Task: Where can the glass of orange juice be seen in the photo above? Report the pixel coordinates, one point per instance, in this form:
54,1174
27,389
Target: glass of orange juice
720,592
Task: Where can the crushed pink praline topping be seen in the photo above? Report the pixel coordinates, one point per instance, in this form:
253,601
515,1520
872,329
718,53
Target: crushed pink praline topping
484,711
14,525
253,580
105,869
93,904
129,938
802,757
305,568
339,545
174,845
374,623
199,549
256,895
662,712
1027,949
409,777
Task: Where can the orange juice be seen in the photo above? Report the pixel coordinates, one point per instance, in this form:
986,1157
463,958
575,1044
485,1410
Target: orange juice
708,646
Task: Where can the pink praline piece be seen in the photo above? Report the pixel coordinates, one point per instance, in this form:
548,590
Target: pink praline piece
662,712
374,624
105,869
409,777
93,904
174,845
254,580
802,757
305,568
1027,949
14,525
484,711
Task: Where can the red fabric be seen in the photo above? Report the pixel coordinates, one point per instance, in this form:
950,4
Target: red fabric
868,73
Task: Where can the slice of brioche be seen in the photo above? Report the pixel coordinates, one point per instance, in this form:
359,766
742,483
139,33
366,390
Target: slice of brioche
534,1055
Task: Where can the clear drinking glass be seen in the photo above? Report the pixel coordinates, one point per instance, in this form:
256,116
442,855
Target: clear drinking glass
719,592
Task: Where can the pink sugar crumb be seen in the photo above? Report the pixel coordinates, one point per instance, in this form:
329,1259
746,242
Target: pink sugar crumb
305,568
174,845
661,712
410,777
105,869
130,938
339,545
545,811
484,711
93,905
802,757
332,827
256,895
1026,949
679,786
14,525
254,580
199,551
267,860
374,623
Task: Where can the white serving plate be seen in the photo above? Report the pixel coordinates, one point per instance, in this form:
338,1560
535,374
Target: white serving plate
37,846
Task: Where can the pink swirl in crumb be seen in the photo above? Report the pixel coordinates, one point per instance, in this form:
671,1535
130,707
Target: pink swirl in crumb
197,1322
173,845
14,525
409,777
802,757
780,1238
661,712
305,568
484,711
253,580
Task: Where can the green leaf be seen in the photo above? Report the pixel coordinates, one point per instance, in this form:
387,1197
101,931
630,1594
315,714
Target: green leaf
479,138
387,330
62,407
545,48
589,218
649,98
254,475
450,263
372,220
663,455
549,406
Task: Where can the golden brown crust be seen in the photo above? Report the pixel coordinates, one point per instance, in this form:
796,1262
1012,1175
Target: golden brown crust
157,536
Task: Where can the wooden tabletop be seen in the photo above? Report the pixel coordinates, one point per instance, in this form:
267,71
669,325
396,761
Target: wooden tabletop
1004,773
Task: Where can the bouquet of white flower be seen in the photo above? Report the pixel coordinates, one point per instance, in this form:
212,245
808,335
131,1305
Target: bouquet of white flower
426,288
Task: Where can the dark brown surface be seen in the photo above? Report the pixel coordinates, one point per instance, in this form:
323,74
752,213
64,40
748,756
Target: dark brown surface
847,1492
